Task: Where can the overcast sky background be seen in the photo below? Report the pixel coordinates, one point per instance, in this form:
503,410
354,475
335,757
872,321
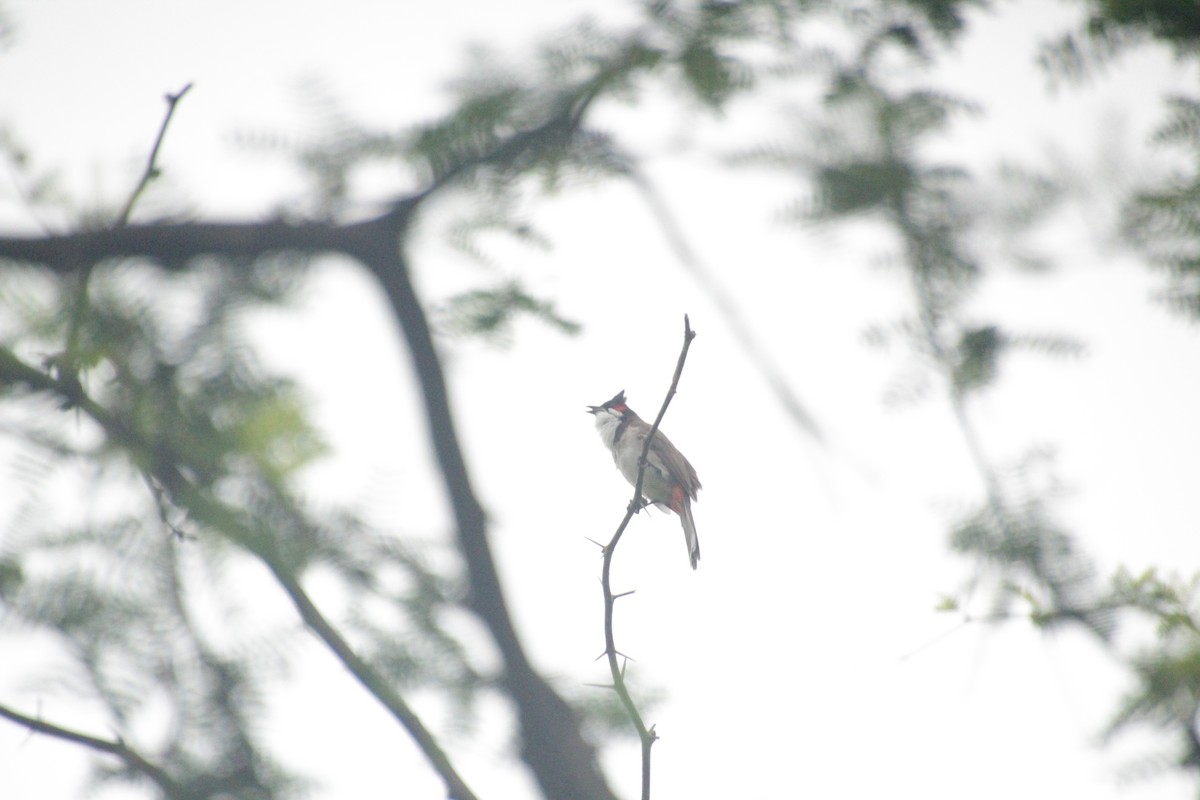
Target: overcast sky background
794,661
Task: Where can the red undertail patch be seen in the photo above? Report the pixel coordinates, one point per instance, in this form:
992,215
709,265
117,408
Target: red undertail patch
677,499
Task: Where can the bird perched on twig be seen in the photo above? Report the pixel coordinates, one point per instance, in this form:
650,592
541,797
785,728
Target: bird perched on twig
670,481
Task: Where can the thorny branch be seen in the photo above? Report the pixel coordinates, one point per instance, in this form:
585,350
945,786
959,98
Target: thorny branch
647,736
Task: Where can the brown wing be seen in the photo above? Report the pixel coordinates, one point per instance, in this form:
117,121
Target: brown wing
675,463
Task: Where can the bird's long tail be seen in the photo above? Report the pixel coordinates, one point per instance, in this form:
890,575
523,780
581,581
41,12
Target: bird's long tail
689,533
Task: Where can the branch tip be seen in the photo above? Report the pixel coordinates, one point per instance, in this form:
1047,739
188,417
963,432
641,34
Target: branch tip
172,99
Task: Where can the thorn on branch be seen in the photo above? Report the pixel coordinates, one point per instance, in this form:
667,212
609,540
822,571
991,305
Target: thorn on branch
172,99
615,653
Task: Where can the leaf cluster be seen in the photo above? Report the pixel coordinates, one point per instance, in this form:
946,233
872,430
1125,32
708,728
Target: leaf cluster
1032,557
1167,695
1163,220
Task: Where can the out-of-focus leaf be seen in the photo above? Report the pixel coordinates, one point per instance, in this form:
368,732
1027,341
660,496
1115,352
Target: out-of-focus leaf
490,313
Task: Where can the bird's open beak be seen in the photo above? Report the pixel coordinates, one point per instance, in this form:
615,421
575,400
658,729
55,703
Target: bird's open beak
594,409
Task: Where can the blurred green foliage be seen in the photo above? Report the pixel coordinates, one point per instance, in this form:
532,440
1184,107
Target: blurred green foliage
142,369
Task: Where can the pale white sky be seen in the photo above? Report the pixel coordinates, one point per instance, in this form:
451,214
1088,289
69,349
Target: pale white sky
782,658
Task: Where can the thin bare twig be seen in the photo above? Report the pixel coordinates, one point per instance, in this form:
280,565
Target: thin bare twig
647,736
151,171
69,361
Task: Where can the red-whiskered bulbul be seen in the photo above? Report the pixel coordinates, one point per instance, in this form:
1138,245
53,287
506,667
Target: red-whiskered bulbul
670,481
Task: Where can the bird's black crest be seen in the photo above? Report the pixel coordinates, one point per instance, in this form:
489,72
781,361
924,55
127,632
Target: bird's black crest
618,400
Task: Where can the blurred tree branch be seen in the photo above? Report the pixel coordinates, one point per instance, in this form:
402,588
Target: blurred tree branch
116,748
169,470
553,743
706,278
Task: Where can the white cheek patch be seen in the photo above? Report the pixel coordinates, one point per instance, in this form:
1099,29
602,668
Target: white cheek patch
607,424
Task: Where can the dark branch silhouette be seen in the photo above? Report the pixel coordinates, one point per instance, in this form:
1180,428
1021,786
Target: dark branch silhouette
553,744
